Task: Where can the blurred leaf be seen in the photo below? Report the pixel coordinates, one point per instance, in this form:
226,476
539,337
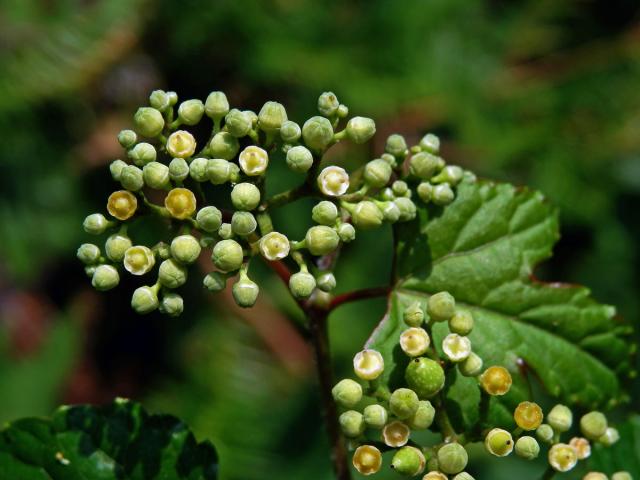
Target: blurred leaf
624,455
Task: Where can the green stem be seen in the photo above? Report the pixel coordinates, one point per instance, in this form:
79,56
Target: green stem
289,196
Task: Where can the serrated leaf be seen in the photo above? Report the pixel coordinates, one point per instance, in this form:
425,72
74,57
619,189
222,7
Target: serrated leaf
119,440
482,249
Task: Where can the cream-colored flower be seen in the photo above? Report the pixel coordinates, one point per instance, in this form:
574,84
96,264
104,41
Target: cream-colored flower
333,181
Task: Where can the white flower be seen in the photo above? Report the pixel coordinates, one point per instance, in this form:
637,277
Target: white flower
456,347
254,160
274,246
414,341
333,181
368,364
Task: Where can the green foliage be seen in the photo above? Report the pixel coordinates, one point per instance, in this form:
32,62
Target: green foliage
626,455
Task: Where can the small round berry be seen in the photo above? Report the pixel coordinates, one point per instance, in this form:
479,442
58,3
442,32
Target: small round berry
171,274
360,129
172,304
425,377
299,159
414,341
321,240
403,403
254,160
451,174
290,131
560,418
368,364
317,133
145,300
328,104
131,178
621,476
496,380
366,215
461,322
527,447
430,143
274,246
178,169
610,436
139,259
116,246
88,253
400,188
227,255
413,315
528,415
243,223
333,181
442,194
472,366
142,154
215,282
326,282
225,232
593,425
367,459
185,249
377,173
216,106
352,423
156,175
159,99
245,291
105,277
347,393
190,111
325,213
396,145
271,116
425,192
219,171
407,208
423,418
237,123
181,203
375,416
581,446
545,433
199,169
224,145
435,475
245,196
595,476
148,122
562,457
127,138
499,442
396,434
456,348
452,458
346,232
209,219
116,168
424,165
408,461
441,306
181,144
302,284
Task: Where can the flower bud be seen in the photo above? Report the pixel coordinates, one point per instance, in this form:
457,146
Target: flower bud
159,99
173,98
456,348
396,145
408,461
461,322
390,212
595,476
360,129
496,380
367,460
148,122
321,240
441,306
224,145
88,253
451,174
199,169
435,475
271,116
185,249
442,194
95,224
610,436
400,188
366,215
463,476
499,442
425,191
215,281
352,423
317,133
216,106
346,232
621,476
545,433
156,175
325,213
172,304
181,144
181,203
375,416
243,223
347,393
245,291
254,161
171,274
326,282
145,300
245,196
424,165
115,168
472,366
528,415
560,418
209,219
138,260
219,171
116,246
299,159
162,250
581,446
105,277
142,154
527,447
368,364
127,138
237,123
593,425
430,143
425,377
562,457
413,315
414,341
328,104
190,112
403,403
301,284
131,178
452,458
333,181
178,169
227,255
423,417
407,208
225,232
290,131
395,434
343,111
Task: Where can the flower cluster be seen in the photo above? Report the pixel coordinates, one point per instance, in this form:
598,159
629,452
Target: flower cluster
166,170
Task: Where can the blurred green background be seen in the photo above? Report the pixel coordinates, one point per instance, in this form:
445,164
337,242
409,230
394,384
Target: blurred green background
537,92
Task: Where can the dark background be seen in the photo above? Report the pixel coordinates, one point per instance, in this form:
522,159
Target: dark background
537,92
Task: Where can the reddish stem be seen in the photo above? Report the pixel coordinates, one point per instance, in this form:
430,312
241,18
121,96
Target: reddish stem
359,295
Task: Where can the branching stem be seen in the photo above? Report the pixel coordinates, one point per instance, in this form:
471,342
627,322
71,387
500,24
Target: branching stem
359,295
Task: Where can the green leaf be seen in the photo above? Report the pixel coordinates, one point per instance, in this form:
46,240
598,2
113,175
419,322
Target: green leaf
119,440
624,455
482,249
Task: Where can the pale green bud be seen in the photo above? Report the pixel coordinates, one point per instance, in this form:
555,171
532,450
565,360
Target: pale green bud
162,250
159,99
499,442
216,106
347,393
173,98
387,194
408,461
145,300
375,416
219,171
403,403
452,458
127,138
326,282
424,165
142,154
252,116
360,129
346,232
544,433
451,174
227,255
237,123
396,145
461,322
299,159
148,122
610,436
181,144
243,223
560,418
271,116
321,240
245,196
190,112
325,213
302,284
413,315
156,175
442,194
215,282
172,304
115,168
527,447
425,191
343,111
171,274
290,131
116,246
224,145
472,366
234,173
463,476
328,104
441,306
390,159
274,246
105,277
317,133
390,212
245,291
225,231
621,476
430,143
178,169
88,253
400,188
366,215
209,219
185,249
593,425
425,377
199,169
407,208
352,423
95,224
131,178
423,417
377,173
